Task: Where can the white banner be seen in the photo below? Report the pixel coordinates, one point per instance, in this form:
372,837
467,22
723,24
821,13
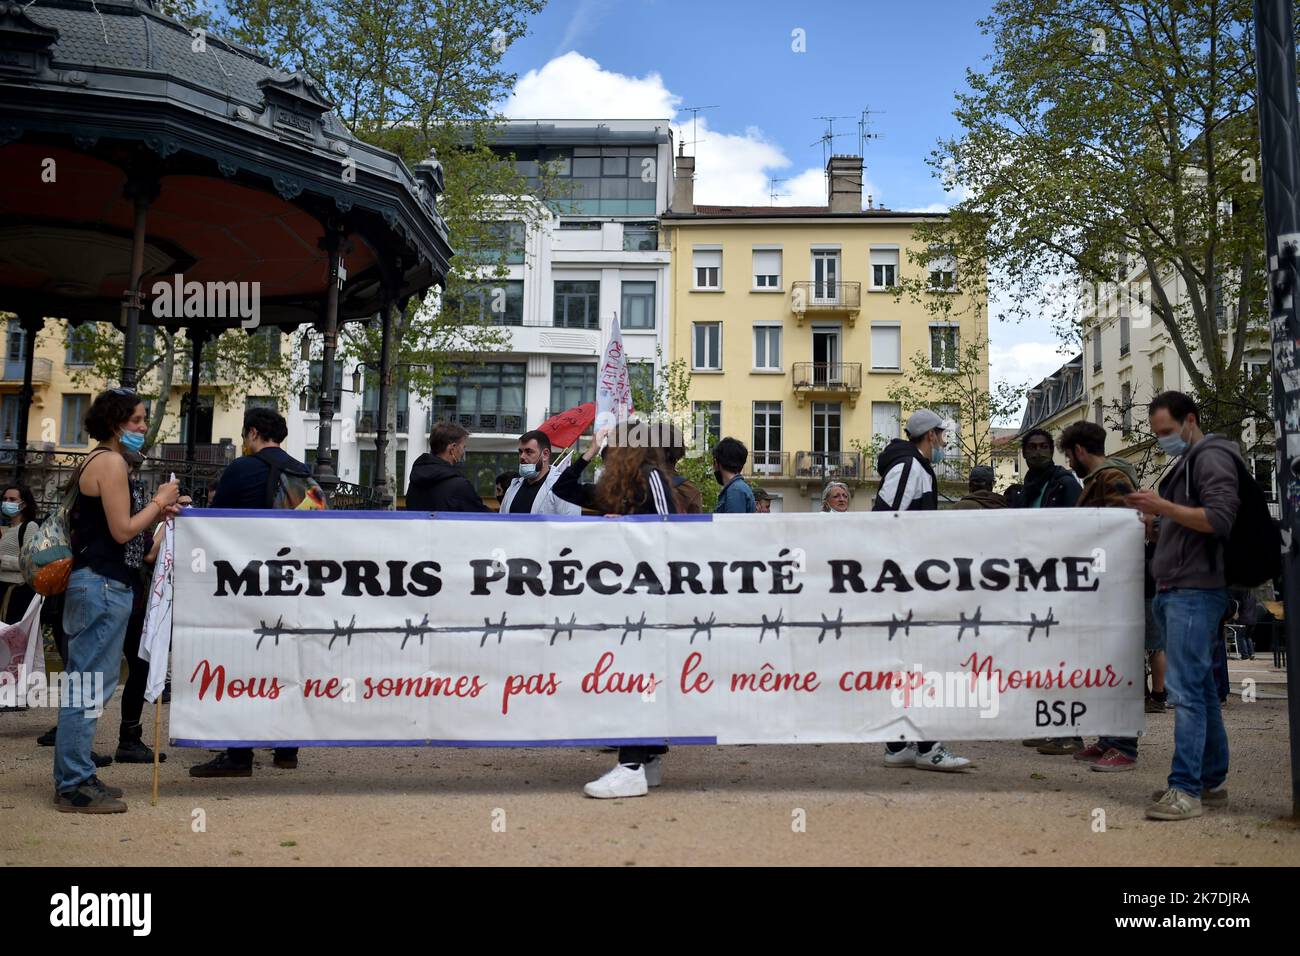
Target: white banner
22,655
395,628
156,638
613,385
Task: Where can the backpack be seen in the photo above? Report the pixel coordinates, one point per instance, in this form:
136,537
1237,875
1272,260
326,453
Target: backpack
45,555
1252,554
289,488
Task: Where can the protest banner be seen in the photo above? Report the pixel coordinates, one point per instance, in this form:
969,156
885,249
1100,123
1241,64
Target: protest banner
394,628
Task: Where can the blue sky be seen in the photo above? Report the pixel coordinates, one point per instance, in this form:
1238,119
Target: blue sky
653,58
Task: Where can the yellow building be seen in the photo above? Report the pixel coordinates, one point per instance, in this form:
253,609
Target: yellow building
790,322
61,397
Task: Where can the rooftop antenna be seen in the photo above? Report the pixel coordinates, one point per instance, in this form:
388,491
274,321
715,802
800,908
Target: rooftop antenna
828,138
864,129
695,115
771,190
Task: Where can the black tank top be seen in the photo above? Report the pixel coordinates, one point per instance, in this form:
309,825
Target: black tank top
93,545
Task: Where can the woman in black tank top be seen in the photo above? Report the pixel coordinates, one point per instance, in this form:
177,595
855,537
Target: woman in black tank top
103,523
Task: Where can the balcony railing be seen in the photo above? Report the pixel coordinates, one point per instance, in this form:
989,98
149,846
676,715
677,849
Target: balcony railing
220,453
824,466
497,423
42,368
368,421
827,376
768,464
813,296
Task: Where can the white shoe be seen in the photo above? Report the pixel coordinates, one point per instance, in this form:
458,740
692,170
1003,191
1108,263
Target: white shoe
942,759
654,771
902,758
622,781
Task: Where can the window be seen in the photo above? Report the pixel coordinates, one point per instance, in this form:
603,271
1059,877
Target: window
640,236
370,410
884,268
885,421
1098,414
496,303
767,268
1126,406
708,268
1264,468
886,347
572,383
591,180
81,345
826,276
314,383
943,348
943,272
1157,379
767,347
263,347
707,419
486,398
577,304
638,305
1096,349
951,415
9,420
706,349
203,420
482,468
399,475
826,433
504,240
766,452
16,342
1125,327
74,419
369,462
641,378
261,401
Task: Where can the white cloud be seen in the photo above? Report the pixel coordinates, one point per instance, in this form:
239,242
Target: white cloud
731,168
1023,363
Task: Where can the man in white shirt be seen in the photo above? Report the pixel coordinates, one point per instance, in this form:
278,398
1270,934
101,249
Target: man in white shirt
531,492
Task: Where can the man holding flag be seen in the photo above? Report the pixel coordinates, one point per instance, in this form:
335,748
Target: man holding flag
532,492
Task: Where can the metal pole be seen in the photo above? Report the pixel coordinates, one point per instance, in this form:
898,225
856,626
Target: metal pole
31,324
196,368
1279,133
325,472
141,193
385,393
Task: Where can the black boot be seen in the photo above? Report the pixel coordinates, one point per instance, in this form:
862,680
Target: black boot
130,747
47,739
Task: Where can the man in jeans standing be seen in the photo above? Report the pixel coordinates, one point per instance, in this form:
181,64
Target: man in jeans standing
1190,519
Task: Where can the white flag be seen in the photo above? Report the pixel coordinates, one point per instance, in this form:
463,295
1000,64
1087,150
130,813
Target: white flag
613,387
156,639
22,653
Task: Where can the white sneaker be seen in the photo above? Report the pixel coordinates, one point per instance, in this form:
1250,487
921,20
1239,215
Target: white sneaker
942,759
902,758
622,781
654,771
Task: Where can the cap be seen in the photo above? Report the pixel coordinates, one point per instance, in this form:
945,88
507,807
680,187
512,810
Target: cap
984,474
921,421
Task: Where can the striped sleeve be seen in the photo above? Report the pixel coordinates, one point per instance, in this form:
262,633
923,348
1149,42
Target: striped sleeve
659,494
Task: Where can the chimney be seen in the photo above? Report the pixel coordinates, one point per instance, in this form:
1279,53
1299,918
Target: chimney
683,183
844,182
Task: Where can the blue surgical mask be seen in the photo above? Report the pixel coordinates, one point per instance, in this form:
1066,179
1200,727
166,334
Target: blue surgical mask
1173,444
936,454
527,471
11,508
132,441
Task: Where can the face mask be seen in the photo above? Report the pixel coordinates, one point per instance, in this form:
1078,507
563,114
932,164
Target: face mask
1037,460
527,471
1173,444
936,454
132,441
11,508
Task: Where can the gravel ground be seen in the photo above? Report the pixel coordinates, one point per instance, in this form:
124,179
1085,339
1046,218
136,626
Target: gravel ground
718,805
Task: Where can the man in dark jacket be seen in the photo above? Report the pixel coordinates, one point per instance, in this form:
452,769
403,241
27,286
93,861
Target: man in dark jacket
1047,484
907,480
981,494
437,484
246,483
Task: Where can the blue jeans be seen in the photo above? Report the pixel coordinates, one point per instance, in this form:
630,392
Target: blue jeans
95,612
1190,618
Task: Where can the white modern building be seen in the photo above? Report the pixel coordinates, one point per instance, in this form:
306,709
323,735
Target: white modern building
594,255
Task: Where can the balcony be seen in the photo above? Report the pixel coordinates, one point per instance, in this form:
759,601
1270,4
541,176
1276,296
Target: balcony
206,453
41,370
829,379
824,466
826,298
493,423
368,421
768,464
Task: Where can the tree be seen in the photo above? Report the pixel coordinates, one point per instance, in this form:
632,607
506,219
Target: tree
420,78
1105,135
235,364
961,389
